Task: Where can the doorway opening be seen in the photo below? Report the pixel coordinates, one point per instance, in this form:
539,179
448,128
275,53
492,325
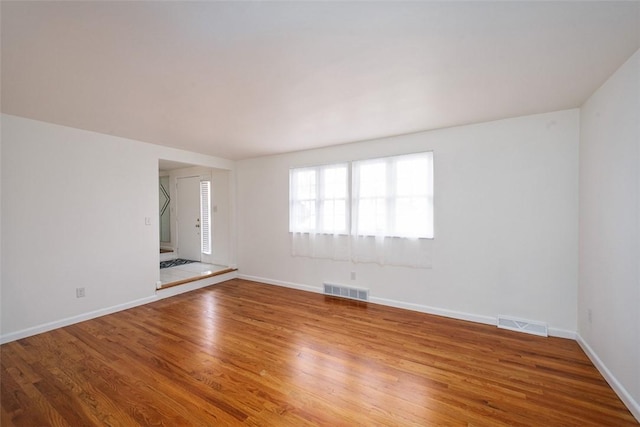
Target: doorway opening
194,222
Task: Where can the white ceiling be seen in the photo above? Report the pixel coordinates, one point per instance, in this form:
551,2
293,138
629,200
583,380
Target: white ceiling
245,79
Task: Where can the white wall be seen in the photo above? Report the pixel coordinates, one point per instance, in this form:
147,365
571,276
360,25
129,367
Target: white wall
73,215
1,222
221,211
609,277
506,214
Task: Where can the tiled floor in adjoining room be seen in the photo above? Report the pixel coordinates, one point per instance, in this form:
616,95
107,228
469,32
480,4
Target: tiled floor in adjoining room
188,271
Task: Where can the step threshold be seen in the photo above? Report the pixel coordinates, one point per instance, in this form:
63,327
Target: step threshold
196,278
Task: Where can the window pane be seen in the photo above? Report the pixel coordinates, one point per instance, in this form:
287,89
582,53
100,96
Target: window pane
373,178
335,182
372,216
305,215
335,216
318,199
305,184
394,196
412,217
412,177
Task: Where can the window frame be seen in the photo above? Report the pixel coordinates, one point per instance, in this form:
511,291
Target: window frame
319,200
392,195
351,210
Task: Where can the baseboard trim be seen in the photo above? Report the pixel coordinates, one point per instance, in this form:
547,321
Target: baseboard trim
160,294
46,327
621,391
459,315
562,333
281,283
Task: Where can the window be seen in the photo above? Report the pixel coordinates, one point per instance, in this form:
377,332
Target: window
205,217
393,196
378,210
318,199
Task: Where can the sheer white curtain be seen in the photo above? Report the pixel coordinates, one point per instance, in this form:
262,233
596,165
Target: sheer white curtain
387,218
392,210
319,211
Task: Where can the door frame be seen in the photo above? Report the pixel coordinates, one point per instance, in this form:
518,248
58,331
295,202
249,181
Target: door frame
221,241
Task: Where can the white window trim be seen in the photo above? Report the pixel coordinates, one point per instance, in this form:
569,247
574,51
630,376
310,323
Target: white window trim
351,209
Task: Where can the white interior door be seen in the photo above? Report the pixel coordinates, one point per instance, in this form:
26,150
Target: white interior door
188,218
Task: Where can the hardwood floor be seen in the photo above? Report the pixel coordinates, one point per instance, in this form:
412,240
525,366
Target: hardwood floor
243,353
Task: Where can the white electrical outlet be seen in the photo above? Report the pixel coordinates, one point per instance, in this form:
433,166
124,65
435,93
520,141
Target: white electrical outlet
79,292
353,275
589,315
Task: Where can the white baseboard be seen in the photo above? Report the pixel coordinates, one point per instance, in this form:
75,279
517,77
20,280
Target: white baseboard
281,283
487,320
160,294
459,315
562,333
621,391
192,286
45,327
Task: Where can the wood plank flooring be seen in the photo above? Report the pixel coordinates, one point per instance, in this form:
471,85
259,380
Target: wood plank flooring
248,354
